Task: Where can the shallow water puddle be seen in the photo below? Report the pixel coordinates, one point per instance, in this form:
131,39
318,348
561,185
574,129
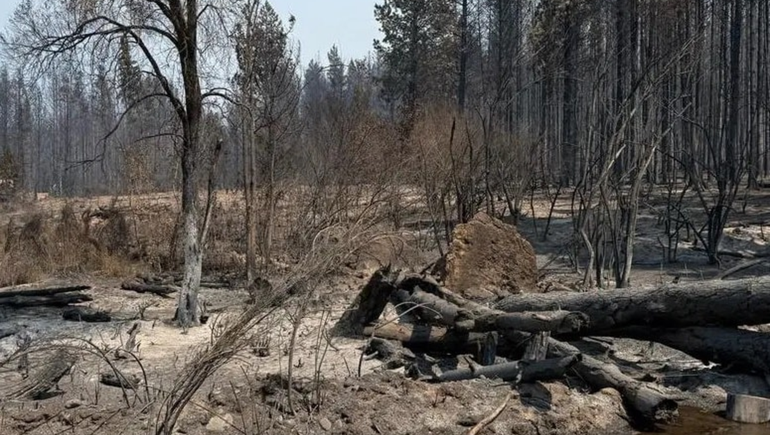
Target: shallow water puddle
693,421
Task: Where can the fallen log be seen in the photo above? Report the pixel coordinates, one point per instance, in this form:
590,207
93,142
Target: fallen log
704,303
643,402
87,315
425,337
368,305
549,369
740,268
537,348
558,322
56,300
735,348
510,372
517,371
434,304
25,291
392,353
428,307
737,254
120,380
139,287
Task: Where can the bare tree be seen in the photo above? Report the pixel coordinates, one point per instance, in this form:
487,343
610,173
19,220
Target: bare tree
48,31
269,92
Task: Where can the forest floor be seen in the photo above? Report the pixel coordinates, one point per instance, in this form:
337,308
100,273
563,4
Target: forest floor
335,390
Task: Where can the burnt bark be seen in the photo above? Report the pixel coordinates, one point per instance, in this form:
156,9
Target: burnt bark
644,403
734,348
139,287
428,307
426,338
517,371
87,315
119,380
559,322
368,305
56,300
537,348
40,291
715,303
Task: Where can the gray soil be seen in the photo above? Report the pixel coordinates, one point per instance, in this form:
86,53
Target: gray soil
334,390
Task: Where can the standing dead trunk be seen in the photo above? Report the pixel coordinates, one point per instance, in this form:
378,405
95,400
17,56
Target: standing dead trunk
270,200
249,188
187,308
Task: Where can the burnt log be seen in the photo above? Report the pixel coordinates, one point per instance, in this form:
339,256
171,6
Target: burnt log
435,304
558,322
704,303
428,307
87,315
644,403
549,369
516,372
734,348
137,286
368,305
119,380
392,353
27,291
430,338
56,300
537,348
510,372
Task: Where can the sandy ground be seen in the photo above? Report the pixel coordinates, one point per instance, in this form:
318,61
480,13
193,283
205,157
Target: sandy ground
335,390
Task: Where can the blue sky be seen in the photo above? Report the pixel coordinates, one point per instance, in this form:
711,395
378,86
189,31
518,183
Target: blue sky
320,23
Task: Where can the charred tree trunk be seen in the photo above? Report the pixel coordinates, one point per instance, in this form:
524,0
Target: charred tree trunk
368,305
517,371
734,348
722,303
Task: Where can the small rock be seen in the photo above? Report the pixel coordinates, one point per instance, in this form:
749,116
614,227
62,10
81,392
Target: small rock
325,424
66,419
468,421
219,424
72,404
217,398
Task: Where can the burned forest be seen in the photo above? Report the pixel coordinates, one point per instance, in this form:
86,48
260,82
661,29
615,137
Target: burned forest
384,217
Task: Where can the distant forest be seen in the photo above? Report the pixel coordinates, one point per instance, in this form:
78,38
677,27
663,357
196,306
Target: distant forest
546,92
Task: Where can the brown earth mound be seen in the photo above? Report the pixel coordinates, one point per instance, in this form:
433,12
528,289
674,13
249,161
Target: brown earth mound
489,258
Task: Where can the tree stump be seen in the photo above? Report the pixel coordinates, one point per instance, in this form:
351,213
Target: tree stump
748,409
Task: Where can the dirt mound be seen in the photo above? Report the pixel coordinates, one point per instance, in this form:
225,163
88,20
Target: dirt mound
489,258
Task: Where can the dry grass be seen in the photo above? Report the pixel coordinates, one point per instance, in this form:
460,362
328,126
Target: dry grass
121,236
44,246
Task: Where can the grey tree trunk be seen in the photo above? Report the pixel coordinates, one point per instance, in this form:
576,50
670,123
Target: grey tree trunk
187,309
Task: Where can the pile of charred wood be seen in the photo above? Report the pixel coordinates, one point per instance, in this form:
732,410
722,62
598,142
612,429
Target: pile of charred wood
524,338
